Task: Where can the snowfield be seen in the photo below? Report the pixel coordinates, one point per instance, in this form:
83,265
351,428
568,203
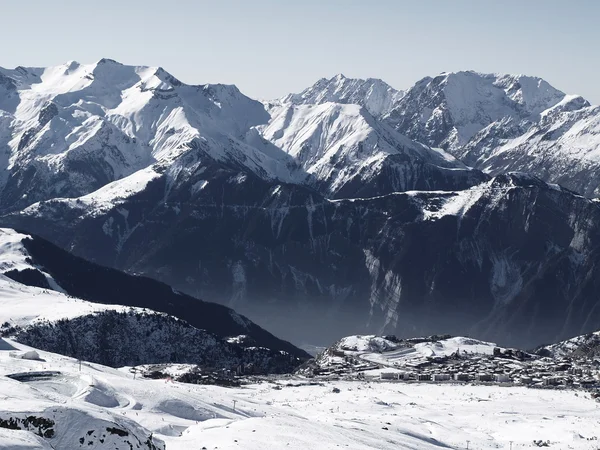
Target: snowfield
288,412
22,305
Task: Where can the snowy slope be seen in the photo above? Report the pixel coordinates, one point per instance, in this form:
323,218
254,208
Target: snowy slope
15,258
489,261
562,147
119,335
347,150
586,346
42,288
208,210
376,96
22,305
75,409
75,127
500,123
448,110
296,415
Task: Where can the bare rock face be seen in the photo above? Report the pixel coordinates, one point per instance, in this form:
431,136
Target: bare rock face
511,260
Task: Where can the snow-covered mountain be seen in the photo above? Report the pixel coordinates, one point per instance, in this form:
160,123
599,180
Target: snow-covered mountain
448,110
369,356
376,96
231,200
499,123
349,153
562,146
54,405
69,130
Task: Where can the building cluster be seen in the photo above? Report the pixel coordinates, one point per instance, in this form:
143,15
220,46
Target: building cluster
503,367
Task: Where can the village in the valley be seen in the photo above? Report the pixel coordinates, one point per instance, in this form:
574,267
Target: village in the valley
459,360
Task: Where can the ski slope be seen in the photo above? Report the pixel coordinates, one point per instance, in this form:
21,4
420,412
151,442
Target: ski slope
283,413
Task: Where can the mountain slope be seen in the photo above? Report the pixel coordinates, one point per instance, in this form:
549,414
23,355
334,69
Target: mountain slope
500,123
585,346
448,110
99,405
376,96
563,146
71,129
227,201
511,260
349,153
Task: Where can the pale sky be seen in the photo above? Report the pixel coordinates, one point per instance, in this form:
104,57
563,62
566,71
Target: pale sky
269,48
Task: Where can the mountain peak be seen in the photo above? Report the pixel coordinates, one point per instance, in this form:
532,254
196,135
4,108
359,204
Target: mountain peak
449,109
109,61
376,96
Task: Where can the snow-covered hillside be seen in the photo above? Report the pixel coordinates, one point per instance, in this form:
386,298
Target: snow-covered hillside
225,204
100,408
351,154
118,335
584,346
562,146
376,96
422,348
448,110
22,305
71,129
36,308
500,123
402,354
487,261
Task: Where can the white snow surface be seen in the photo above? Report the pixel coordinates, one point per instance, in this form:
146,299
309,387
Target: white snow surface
563,146
14,256
473,100
337,143
567,347
438,204
124,118
21,440
107,197
375,95
362,415
458,203
23,305
501,122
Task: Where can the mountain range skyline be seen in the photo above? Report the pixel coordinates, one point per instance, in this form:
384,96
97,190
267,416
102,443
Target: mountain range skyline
288,95
259,46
